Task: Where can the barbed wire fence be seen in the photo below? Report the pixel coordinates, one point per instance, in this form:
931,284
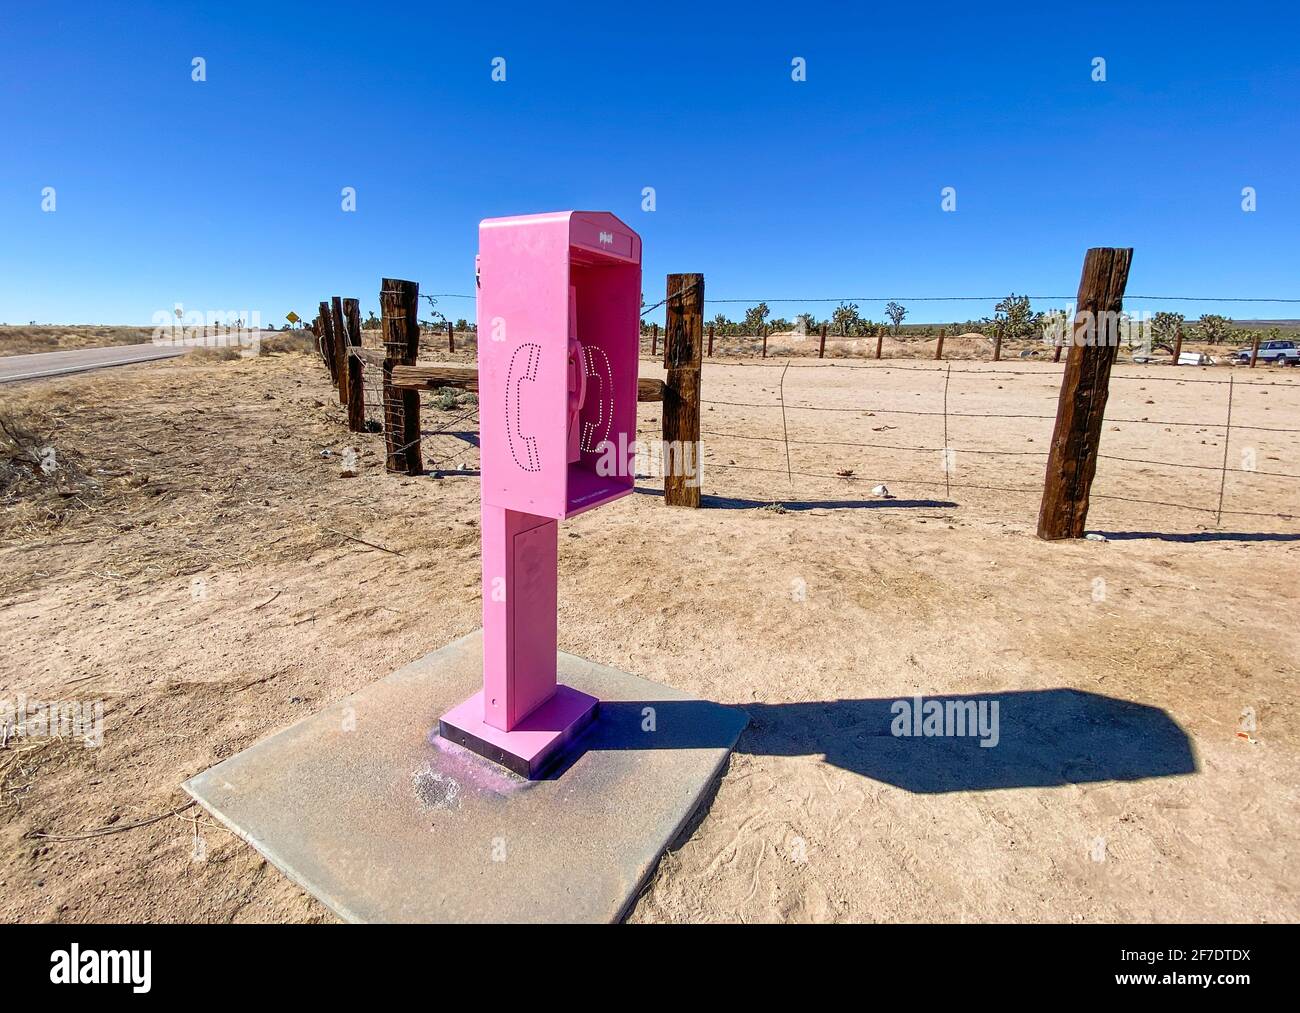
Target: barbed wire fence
949,451
793,446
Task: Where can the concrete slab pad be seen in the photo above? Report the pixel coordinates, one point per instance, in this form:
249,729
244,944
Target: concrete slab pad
367,808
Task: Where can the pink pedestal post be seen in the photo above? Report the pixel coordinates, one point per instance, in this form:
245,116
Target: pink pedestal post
558,322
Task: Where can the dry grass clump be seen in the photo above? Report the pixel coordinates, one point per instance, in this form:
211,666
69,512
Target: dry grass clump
42,479
28,338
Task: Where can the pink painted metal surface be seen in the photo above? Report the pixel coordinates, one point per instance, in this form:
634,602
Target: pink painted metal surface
548,283
519,603
558,317
533,744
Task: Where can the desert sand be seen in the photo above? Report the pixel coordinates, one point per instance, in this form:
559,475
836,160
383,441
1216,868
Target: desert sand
192,565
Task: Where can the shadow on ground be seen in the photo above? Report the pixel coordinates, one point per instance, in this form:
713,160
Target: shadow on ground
733,503
1038,738
1200,536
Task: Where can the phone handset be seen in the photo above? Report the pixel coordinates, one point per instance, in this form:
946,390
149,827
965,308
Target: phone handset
523,448
577,374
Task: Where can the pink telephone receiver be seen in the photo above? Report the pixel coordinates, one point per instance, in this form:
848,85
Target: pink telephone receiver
577,379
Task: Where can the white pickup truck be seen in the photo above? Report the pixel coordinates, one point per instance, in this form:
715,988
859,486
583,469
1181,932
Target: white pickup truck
1283,352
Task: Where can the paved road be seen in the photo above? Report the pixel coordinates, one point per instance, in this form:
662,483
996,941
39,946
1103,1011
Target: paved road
79,360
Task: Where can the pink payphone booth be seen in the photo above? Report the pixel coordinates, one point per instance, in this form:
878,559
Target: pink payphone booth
559,300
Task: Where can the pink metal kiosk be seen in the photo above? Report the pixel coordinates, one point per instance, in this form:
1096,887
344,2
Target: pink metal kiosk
558,319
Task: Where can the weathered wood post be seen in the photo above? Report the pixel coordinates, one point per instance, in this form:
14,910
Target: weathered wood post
654,339
451,338
340,346
938,349
356,379
1254,351
997,344
1056,354
1072,458
399,303
327,342
880,342
315,328
710,341
821,349
764,329
1178,344
683,334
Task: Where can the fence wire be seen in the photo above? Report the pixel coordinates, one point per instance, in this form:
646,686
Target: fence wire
791,444
450,450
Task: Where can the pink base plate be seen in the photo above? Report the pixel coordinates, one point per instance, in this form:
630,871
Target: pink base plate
535,743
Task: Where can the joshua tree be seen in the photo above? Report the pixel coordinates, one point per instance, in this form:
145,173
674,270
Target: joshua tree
1213,328
895,312
1014,316
1164,327
846,318
754,317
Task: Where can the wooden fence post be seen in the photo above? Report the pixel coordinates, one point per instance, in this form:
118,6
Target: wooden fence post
1072,458
315,328
399,304
654,340
764,329
710,341
1056,355
997,344
451,338
340,346
880,341
327,342
683,334
356,378
1178,344
1254,351
821,349
938,349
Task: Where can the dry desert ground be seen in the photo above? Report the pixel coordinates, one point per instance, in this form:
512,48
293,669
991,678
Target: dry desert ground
193,562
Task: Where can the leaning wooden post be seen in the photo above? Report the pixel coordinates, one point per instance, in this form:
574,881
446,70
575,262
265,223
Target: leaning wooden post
683,343
880,341
355,366
821,349
997,344
1056,355
1254,351
317,328
710,341
327,342
340,346
1178,344
1094,341
399,303
938,349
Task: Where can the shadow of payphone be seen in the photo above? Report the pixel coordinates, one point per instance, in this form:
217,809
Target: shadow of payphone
559,299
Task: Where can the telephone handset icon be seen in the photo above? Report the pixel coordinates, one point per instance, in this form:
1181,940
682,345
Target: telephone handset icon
523,367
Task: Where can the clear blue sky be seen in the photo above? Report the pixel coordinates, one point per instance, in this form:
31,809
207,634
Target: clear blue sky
226,194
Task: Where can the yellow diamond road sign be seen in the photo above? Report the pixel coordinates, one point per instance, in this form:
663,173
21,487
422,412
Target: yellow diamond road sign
292,317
